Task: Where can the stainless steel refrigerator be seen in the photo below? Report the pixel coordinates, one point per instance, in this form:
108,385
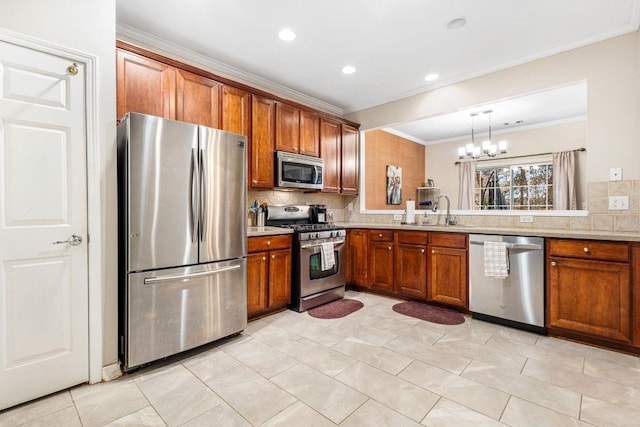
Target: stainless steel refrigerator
182,237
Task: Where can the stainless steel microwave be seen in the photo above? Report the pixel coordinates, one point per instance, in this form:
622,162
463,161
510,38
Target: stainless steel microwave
298,171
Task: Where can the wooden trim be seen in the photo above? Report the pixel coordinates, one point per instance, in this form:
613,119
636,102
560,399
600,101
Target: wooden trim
190,68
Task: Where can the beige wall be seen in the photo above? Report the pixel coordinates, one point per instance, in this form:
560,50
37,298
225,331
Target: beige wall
87,26
440,158
611,69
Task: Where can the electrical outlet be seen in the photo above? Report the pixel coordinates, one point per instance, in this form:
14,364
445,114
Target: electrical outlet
526,218
615,174
350,207
618,203
397,217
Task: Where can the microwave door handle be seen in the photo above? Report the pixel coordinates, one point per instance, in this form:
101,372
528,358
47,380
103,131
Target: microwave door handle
315,174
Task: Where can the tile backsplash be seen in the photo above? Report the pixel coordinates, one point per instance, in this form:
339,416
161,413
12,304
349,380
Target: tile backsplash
600,218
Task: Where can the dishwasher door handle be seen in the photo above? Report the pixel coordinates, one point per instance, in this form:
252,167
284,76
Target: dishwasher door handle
526,246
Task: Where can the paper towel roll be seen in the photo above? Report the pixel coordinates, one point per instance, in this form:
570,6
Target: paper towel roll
411,212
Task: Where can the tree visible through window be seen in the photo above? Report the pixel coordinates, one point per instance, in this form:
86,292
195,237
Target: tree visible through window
520,187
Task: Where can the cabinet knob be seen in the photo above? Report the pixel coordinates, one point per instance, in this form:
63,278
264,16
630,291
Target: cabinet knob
268,242
433,251
421,251
553,263
586,250
273,257
380,235
389,247
264,258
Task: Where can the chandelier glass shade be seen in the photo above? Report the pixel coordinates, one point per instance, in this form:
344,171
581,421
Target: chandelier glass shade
488,148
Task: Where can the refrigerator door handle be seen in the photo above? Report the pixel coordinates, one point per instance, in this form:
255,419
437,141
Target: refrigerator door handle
203,196
192,195
160,279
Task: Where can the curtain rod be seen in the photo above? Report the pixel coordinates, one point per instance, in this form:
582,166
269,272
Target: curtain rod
516,157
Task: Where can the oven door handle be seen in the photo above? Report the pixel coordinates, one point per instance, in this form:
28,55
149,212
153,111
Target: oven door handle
317,245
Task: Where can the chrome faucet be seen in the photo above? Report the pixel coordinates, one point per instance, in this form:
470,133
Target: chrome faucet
448,220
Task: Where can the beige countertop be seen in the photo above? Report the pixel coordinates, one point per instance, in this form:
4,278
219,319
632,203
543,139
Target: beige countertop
267,231
571,234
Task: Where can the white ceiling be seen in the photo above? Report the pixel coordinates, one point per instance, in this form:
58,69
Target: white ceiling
543,108
392,43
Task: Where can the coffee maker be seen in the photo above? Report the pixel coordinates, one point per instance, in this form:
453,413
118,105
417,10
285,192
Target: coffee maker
319,214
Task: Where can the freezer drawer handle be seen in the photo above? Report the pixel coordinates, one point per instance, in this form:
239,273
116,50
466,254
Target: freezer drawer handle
529,246
160,279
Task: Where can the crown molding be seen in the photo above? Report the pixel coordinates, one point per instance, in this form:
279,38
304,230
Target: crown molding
151,42
404,135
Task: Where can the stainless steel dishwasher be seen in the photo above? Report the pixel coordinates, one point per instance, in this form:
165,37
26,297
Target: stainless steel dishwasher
517,300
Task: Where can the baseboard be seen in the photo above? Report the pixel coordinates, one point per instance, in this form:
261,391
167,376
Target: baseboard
111,372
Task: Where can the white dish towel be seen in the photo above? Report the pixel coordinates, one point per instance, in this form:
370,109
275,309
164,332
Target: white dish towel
328,260
496,260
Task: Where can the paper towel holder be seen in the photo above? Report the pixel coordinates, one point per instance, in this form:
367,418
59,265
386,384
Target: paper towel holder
405,215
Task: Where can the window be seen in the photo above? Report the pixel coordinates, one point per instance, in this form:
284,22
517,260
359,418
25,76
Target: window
520,187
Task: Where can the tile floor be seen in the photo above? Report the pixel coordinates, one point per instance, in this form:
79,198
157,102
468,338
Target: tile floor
372,368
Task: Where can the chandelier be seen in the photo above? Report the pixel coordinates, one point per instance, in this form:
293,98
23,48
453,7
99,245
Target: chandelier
488,148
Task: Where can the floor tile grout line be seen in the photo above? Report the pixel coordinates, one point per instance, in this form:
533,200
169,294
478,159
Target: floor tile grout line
149,402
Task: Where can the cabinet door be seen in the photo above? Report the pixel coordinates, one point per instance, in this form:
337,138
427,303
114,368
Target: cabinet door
279,278
448,276
411,270
287,128
144,86
358,257
381,266
257,282
330,136
197,99
349,161
262,142
591,297
309,134
236,104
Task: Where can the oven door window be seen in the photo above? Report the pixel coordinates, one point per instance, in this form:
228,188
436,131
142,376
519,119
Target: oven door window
298,172
315,266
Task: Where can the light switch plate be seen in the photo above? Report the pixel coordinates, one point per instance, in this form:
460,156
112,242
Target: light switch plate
615,174
526,218
618,203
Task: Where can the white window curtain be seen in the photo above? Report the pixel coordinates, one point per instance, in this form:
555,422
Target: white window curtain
564,178
466,184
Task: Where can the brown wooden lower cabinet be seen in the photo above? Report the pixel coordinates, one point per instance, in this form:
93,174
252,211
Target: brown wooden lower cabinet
447,269
358,258
590,297
268,274
411,270
448,276
381,266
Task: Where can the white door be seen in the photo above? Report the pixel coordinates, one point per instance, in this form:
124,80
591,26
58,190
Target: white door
43,286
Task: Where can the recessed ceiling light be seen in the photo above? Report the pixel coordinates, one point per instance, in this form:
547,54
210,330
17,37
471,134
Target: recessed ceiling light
456,24
348,69
287,35
431,77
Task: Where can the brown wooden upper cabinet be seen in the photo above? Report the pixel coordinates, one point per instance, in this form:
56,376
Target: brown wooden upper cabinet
297,131
197,99
262,142
144,86
309,133
349,162
330,150
236,107
287,128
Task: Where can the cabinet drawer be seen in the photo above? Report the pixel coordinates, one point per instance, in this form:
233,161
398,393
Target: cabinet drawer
412,237
267,243
589,249
381,235
448,240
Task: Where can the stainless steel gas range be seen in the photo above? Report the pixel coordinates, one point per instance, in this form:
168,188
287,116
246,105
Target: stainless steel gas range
315,280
